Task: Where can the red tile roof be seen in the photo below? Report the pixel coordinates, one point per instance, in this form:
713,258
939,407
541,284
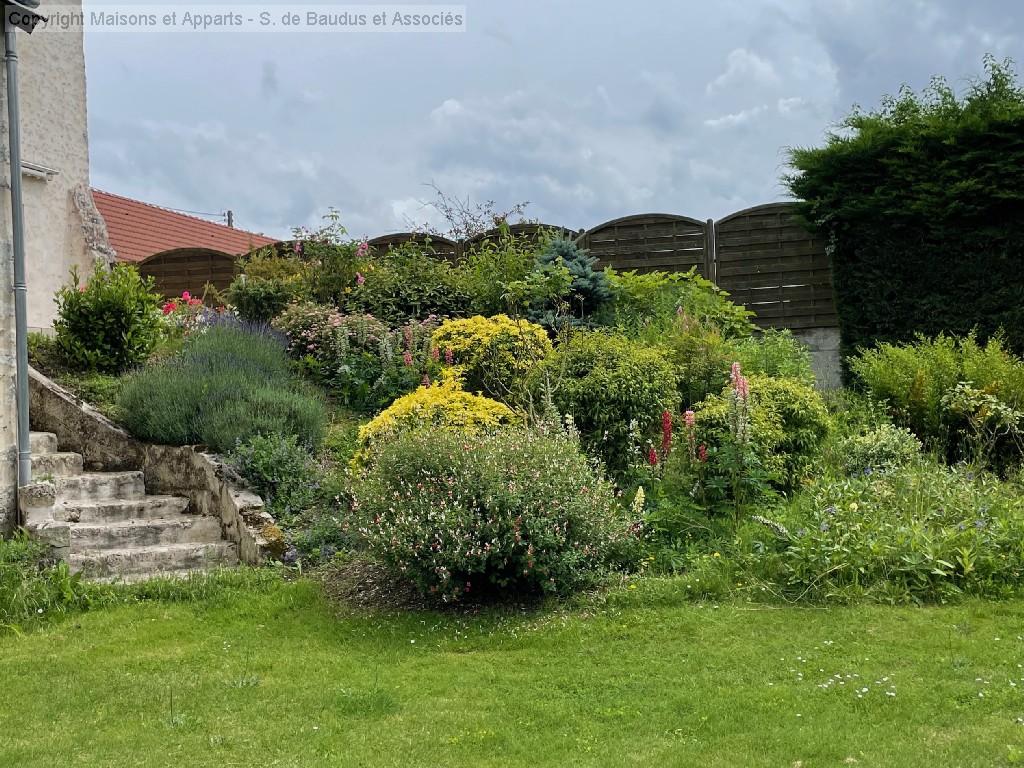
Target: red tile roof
138,230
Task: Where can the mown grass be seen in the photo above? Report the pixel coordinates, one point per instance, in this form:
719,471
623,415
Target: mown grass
283,677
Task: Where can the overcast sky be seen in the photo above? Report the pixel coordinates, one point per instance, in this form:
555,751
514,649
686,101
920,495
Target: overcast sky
588,109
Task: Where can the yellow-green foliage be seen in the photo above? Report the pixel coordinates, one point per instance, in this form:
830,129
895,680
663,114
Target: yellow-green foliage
493,355
788,421
440,406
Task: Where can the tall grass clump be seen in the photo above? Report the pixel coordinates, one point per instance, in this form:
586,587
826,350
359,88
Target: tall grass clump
228,385
31,587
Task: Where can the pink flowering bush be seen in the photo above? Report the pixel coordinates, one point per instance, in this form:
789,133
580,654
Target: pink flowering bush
519,511
184,314
365,363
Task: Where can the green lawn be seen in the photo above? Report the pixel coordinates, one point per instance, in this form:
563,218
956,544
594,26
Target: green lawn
286,678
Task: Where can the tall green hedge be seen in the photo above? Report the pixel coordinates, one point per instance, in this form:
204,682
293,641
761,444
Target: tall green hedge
922,203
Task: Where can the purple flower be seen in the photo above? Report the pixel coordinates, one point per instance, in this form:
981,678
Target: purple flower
802,532
824,527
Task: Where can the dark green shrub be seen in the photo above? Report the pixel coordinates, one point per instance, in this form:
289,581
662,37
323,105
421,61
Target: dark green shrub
615,389
410,281
260,299
281,470
110,324
920,203
331,262
516,511
228,385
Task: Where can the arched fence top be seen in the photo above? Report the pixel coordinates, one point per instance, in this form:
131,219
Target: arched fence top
646,219
757,210
178,253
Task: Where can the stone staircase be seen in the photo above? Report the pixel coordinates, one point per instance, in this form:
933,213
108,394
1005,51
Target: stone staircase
107,527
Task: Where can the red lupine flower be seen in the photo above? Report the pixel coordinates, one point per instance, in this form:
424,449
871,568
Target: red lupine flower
652,457
702,453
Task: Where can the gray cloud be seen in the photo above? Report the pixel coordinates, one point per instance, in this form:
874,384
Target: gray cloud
590,110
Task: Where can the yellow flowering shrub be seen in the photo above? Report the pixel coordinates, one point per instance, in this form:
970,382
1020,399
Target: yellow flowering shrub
442,406
492,355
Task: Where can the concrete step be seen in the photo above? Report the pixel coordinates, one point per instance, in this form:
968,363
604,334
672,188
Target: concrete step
92,486
152,561
56,464
120,510
136,534
42,442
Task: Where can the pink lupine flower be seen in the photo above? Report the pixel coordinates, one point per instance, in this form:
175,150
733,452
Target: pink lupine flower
360,279
742,388
435,354
407,357
448,355
734,377
425,382
690,419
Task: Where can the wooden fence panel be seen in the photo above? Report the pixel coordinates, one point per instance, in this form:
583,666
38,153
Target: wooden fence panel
650,242
450,250
766,261
189,269
761,256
